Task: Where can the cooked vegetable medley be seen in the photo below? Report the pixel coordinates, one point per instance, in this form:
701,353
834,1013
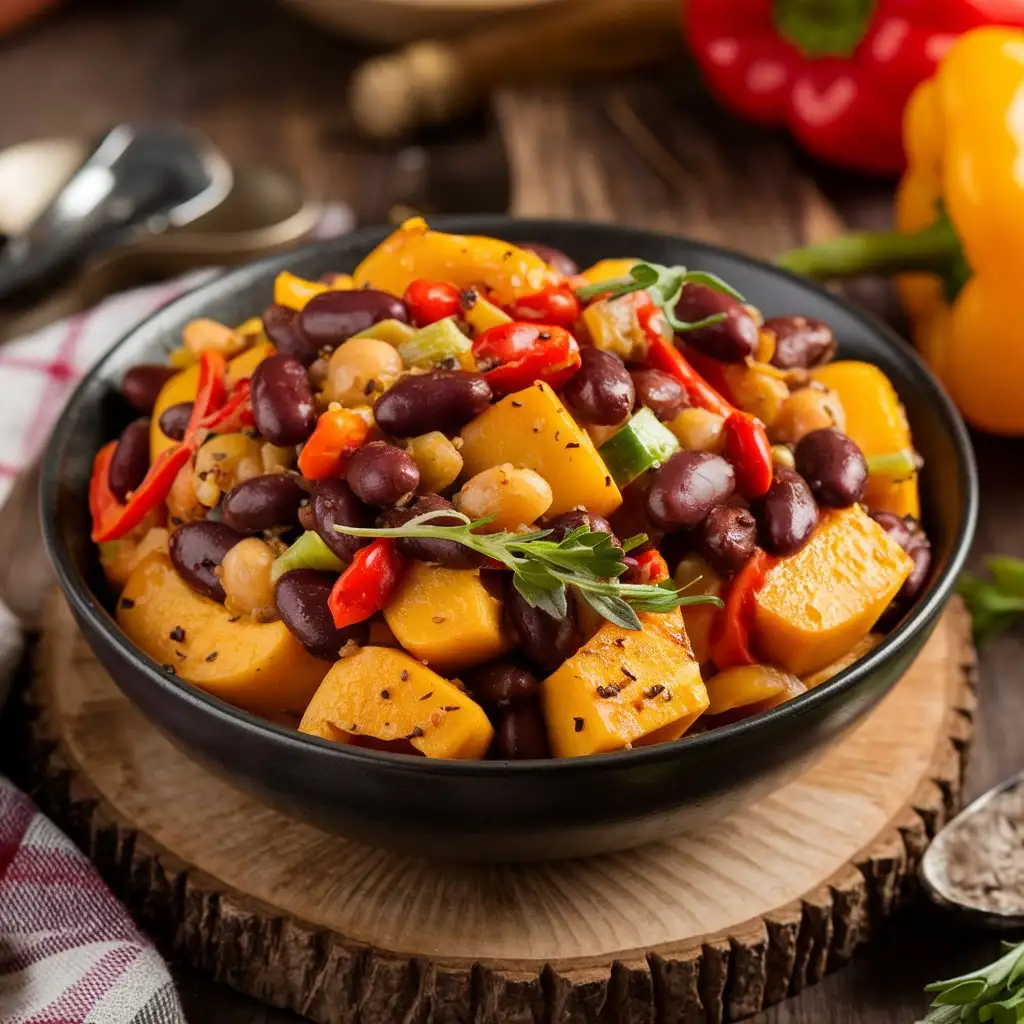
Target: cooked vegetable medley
470,502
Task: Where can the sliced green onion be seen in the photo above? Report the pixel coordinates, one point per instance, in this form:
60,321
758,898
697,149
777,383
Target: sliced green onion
897,465
434,343
308,552
642,444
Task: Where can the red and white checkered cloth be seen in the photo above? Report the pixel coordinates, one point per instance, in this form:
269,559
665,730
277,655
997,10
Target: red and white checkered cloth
69,952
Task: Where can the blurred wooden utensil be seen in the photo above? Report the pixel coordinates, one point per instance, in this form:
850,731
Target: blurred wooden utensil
433,80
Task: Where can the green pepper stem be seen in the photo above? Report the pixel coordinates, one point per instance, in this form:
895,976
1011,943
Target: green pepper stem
934,250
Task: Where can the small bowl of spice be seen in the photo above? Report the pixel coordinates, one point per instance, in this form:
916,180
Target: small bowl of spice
976,863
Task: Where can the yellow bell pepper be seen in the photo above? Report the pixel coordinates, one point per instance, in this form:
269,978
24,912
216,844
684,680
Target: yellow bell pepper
414,251
959,243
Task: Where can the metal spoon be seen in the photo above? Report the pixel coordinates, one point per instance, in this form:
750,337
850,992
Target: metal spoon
942,866
139,179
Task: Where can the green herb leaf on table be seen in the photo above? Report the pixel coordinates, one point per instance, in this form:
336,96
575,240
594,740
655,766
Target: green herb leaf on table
997,603
664,285
587,560
992,993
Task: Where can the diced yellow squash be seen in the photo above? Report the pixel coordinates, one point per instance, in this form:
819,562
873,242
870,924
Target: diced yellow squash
876,421
816,605
251,328
386,694
294,292
754,687
612,325
855,653
532,429
482,315
609,270
243,365
446,617
624,685
258,666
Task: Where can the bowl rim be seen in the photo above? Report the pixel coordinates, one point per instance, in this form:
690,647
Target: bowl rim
87,607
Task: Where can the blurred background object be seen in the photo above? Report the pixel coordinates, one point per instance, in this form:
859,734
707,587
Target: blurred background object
15,13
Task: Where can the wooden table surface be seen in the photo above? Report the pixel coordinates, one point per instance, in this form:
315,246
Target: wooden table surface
650,151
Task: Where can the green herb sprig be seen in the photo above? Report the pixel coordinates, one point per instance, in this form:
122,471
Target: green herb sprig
586,560
664,285
997,603
993,993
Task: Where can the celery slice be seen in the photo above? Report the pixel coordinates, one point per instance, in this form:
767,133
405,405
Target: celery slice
435,343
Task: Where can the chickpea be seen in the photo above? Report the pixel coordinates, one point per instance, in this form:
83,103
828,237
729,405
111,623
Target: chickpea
155,541
695,576
245,575
515,497
359,367
438,460
276,460
182,504
209,336
223,462
782,457
698,429
810,408
757,391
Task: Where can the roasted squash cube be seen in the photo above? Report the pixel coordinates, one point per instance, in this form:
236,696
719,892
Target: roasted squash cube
817,604
624,685
387,695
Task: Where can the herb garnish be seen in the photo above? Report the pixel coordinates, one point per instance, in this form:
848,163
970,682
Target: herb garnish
994,605
992,993
584,559
664,285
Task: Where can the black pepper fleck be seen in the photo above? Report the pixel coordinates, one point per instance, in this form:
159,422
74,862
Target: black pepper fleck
536,429
212,656
612,690
516,405
177,635
369,386
438,619
234,618
403,675
427,695
416,733
451,707
607,481
654,691
577,724
619,641
627,673
557,433
467,298
573,444
385,695
127,602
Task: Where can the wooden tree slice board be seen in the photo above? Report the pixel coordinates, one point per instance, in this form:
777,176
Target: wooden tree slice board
704,928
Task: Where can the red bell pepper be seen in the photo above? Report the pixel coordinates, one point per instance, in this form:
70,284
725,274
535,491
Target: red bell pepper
555,305
516,355
730,636
746,440
366,586
430,301
209,392
235,413
338,433
651,567
837,73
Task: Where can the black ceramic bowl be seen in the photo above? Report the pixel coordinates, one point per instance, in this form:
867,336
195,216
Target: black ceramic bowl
493,810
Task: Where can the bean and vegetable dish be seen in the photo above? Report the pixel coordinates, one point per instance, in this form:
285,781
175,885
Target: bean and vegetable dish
471,502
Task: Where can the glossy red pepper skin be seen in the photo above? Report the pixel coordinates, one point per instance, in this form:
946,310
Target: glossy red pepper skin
651,567
517,355
210,392
730,637
235,413
367,585
430,301
338,434
844,105
555,305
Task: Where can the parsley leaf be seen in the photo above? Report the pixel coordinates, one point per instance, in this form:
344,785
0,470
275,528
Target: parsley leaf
997,604
992,993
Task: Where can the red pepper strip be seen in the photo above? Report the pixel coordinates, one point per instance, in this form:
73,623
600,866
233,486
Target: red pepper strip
523,353
209,392
338,433
651,567
235,413
115,520
555,305
101,497
730,637
746,440
366,586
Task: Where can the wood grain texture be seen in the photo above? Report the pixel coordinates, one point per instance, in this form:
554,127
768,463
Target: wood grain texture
709,927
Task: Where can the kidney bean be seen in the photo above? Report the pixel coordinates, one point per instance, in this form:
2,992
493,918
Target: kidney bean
301,599
727,538
501,682
335,504
801,342
730,340
894,525
920,550
687,488
562,524
281,326
833,466
544,639
130,463
381,474
552,257
332,317
282,401
601,390
196,551
174,420
430,549
522,734
264,502
787,514
662,394
141,384
442,400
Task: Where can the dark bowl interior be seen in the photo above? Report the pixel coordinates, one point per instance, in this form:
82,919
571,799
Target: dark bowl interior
494,810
